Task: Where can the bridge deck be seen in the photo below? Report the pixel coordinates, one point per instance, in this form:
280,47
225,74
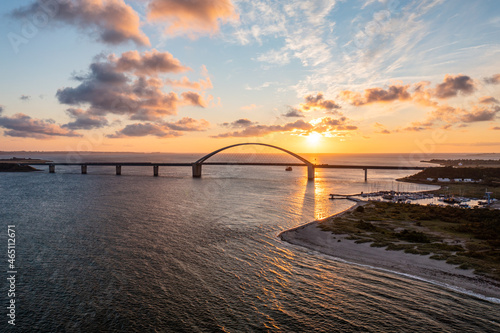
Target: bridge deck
316,166
112,163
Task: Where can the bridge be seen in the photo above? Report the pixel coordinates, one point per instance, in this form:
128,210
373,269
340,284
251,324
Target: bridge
197,166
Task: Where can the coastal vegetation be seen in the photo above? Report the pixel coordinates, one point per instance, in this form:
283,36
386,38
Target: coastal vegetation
13,167
483,178
469,238
464,163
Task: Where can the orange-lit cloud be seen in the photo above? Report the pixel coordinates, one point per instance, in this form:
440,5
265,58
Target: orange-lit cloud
113,21
83,120
21,125
262,130
453,85
488,100
376,95
480,113
193,98
318,102
380,129
325,126
193,16
149,63
495,79
162,129
293,113
240,123
129,85
423,94
185,83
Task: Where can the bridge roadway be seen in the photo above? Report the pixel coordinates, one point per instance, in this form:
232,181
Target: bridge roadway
156,166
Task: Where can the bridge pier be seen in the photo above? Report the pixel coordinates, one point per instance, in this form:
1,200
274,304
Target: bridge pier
84,169
155,170
196,170
366,175
52,168
118,170
310,172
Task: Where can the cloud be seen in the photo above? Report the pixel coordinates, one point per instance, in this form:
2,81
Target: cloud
185,83
423,94
381,129
113,21
488,100
453,116
276,57
162,129
84,120
149,63
192,17
194,98
495,128
262,130
25,98
318,102
452,85
129,85
480,114
495,79
326,126
188,125
302,29
293,113
21,125
240,123
377,95
138,129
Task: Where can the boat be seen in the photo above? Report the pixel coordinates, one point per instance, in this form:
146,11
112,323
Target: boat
463,205
451,200
289,168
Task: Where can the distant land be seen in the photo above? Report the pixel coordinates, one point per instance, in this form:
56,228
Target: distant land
464,163
12,164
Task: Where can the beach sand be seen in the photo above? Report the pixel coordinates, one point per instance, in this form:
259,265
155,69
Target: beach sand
418,266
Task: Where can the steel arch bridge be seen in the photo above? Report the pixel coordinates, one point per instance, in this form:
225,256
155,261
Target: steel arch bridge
197,165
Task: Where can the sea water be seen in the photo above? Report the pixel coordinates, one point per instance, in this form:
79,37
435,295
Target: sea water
100,252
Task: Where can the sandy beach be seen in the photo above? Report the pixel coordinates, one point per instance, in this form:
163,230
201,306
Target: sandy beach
418,266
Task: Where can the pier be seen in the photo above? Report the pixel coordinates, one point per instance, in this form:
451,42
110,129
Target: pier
197,165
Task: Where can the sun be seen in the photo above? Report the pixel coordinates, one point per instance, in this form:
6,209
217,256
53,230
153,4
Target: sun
314,138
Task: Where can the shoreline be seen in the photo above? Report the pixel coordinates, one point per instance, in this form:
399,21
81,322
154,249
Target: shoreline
418,267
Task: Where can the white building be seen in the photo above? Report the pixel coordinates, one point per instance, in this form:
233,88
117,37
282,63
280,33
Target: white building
443,180
430,179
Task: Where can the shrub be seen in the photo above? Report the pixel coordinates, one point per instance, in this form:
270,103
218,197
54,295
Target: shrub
360,209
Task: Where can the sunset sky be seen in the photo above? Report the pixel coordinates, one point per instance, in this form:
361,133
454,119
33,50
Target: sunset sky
360,76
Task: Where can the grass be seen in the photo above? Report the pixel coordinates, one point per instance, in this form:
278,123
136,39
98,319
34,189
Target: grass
469,238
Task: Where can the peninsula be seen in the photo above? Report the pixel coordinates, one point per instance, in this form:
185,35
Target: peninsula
449,246
13,164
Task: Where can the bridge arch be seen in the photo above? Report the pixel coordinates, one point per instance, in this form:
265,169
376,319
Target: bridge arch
197,165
